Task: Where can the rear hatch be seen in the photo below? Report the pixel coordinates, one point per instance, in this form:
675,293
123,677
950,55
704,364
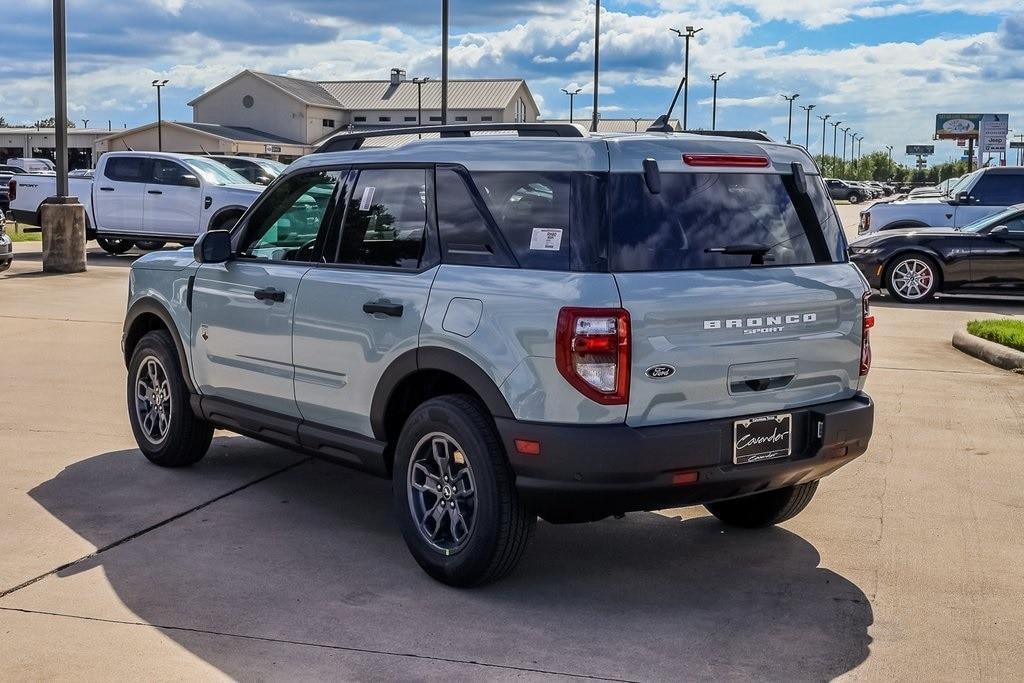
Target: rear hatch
717,334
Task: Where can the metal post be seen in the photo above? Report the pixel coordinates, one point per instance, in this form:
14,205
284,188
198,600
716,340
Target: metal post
824,122
807,138
444,62
970,154
846,132
789,133
714,99
835,136
572,100
60,90
159,85
597,62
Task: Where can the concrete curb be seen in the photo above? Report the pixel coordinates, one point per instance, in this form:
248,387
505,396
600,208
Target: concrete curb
994,354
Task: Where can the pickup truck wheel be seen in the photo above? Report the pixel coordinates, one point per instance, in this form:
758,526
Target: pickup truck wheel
114,247
455,496
150,245
167,431
853,198
764,509
912,279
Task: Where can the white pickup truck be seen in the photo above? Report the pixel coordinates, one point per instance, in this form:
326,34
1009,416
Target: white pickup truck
145,199
976,195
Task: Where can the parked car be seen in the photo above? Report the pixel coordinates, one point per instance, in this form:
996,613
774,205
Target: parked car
5,196
914,264
6,247
148,198
511,326
36,166
845,190
253,169
982,193
14,169
82,173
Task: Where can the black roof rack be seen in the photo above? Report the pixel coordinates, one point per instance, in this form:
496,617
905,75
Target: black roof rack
346,142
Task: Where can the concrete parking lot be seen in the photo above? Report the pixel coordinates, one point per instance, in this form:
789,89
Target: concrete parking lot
261,564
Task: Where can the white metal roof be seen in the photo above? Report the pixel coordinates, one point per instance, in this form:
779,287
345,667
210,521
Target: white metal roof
462,94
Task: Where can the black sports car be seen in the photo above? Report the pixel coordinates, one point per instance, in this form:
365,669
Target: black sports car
984,257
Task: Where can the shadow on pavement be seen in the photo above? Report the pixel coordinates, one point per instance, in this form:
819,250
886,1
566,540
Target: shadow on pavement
94,257
312,556
1006,305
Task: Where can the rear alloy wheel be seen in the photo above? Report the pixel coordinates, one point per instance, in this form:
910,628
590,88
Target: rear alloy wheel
114,247
912,279
455,495
854,198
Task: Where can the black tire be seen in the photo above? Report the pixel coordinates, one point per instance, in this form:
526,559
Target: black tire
150,245
853,198
764,509
501,524
930,278
114,247
186,438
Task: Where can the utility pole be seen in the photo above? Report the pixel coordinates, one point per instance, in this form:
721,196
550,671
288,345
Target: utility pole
60,91
824,122
444,62
888,169
807,139
846,133
572,98
789,132
835,136
597,63
714,98
159,85
686,35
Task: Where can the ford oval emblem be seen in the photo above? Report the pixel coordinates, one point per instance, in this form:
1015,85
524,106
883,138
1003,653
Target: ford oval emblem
660,371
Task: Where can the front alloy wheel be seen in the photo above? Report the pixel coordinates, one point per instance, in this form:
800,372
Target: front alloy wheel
912,280
153,406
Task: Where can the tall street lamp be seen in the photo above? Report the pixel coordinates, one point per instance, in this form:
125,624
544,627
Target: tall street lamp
714,98
690,32
444,62
835,136
824,122
846,133
807,139
159,85
888,169
572,98
597,63
419,98
789,133
85,123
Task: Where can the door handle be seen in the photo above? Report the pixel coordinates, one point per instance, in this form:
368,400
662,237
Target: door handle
384,306
269,294
154,192
106,189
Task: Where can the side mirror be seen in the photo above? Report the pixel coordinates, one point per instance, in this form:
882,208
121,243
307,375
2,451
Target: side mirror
963,198
999,231
264,180
190,180
212,247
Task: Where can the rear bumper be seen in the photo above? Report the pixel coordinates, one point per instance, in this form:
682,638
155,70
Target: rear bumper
872,266
596,470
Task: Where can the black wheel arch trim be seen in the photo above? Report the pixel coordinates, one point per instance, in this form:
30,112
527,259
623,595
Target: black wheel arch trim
151,306
434,358
216,217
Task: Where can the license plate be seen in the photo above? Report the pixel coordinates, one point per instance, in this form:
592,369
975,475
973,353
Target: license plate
762,438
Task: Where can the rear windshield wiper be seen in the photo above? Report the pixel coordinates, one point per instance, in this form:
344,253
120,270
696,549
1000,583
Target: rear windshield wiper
757,252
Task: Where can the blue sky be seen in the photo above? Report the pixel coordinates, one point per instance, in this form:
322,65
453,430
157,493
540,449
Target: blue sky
884,67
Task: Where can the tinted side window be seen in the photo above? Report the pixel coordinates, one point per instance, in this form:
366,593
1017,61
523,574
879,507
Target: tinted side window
999,189
466,238
127,170
385,224
532,210
166,172
287,223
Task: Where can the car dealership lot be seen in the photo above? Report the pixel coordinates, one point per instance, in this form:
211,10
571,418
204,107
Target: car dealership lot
262,564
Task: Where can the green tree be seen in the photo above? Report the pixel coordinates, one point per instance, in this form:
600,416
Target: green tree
51,122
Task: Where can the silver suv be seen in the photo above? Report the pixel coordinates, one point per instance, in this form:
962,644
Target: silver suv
543,323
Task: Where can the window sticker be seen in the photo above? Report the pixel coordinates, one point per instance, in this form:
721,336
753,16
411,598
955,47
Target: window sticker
546,239
367,201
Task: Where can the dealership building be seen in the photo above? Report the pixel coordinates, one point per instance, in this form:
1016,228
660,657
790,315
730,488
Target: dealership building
279,117
40,143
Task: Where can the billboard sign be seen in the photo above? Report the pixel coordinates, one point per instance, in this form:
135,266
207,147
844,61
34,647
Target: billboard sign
1017,145
994,130
920,150
965,126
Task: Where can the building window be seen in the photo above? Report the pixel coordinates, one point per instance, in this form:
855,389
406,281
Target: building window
410,118
248,101
328,123
435,118
359,119
384,119
462,118
520,111
486,118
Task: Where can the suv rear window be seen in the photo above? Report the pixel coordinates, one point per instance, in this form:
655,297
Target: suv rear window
699,212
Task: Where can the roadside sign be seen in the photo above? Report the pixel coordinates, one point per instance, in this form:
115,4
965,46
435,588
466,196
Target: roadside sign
1017,144
920,150
961,143
994,130
272,149
969,126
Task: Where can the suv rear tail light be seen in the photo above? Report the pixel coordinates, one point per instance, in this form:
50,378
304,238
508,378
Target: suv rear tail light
865,339
12,189
592,352
726,160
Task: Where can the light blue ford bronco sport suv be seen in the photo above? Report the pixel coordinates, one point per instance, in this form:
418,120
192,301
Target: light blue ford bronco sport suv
543,322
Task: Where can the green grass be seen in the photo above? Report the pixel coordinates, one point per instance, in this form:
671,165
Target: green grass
1006,332
24,236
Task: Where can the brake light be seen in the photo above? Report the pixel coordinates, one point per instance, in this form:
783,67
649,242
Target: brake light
726,160
865,339
592,352
12,189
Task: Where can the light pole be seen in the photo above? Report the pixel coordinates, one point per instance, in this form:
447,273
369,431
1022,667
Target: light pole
159,85
597,63
846,133
419,98
636,124
824,122
888,169
85,123
444,62
572,98
790,98
690,32
807,138
835,136
714,98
